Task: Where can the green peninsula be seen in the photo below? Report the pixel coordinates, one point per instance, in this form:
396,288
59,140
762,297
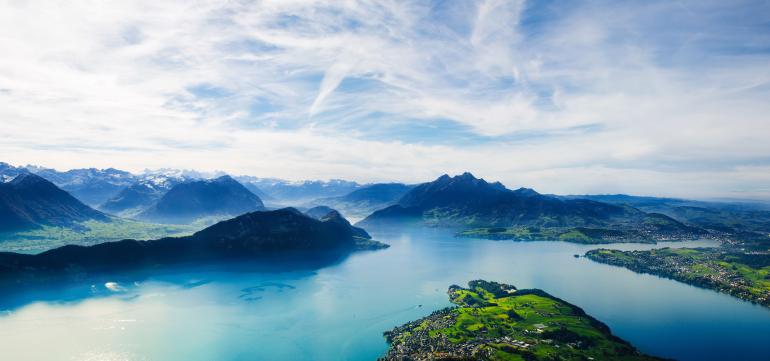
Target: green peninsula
494,321
581,235
741,274
653,228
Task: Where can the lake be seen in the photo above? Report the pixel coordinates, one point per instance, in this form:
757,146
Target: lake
339,311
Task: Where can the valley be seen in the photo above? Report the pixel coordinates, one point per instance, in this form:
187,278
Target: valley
89,233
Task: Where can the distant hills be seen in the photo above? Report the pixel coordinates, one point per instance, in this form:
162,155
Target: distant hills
744,220
649,203
261,194
138,197
252,235
377,193
30,201
367,199
290,192
490,210
641,202
141,196
91,186
126,194
188,201
465,200
133,199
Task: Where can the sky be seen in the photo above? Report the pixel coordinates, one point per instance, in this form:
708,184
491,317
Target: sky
644,97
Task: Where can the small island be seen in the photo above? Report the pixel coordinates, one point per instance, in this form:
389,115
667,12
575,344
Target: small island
745,275
494,321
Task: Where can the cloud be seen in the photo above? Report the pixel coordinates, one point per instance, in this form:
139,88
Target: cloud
673,93
332,79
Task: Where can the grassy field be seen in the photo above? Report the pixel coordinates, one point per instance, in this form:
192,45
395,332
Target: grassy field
89,232
743,275
497,322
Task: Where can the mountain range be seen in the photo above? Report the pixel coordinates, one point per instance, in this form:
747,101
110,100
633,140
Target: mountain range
456,201
104,188
30,201
91,186
467,201
192,200
298,192
255,235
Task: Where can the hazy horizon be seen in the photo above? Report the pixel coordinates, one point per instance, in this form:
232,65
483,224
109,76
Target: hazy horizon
216,173
646,98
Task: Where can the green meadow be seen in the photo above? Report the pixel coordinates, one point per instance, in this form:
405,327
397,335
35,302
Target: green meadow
88,233
497,323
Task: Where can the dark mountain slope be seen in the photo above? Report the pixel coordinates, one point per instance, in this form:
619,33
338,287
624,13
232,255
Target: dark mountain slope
189,201
252,235
29,201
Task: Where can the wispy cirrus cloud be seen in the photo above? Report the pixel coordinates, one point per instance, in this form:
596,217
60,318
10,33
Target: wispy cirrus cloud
652,97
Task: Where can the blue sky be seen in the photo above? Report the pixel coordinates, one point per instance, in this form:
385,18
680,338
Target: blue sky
643,97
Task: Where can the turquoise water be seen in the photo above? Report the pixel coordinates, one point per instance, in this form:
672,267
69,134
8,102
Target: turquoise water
339,311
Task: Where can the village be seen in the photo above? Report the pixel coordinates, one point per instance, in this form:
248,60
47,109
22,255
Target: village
740,274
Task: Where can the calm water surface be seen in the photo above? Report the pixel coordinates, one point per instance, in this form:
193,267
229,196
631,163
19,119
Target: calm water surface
339,312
